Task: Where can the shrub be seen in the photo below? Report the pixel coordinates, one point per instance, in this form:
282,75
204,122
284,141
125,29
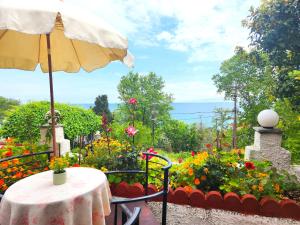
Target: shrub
25,121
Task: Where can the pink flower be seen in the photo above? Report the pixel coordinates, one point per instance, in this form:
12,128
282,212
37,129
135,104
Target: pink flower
131,131
132,101
193,153
150,150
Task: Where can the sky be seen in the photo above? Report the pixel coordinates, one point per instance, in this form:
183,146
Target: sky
182,41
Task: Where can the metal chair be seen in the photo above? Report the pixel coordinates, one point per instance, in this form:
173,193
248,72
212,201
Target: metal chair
164,192
128,217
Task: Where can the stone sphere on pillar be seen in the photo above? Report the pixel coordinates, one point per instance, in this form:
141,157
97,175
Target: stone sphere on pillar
268,118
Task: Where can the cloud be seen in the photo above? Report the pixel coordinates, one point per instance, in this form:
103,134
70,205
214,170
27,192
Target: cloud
193,91
205,30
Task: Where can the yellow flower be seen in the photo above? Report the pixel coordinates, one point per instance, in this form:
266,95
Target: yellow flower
103,169
254,187
262,175
205,170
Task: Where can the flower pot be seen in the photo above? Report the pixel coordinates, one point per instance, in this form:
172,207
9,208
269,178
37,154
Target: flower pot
59,178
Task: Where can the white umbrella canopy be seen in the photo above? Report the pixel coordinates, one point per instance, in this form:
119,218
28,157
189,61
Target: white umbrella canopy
58,37
78,39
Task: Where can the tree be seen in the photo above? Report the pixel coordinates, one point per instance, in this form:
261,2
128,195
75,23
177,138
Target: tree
275,28
251,74
6,104
101,106
148,91
221,119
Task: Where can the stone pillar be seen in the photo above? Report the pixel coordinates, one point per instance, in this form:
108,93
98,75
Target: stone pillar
63,144
267,146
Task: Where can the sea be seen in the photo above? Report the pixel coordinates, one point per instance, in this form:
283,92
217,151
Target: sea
200,113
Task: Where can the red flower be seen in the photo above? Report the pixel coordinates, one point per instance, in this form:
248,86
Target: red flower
249,165
180,160
76,165
208,145
150,150
1,182
193,153
8,153
26,152
19,175
132,101
131,131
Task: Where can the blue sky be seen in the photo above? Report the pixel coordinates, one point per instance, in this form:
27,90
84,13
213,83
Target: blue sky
182,41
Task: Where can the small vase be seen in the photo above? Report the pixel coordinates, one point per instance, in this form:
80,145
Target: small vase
59,178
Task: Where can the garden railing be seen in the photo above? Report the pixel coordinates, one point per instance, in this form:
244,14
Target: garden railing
165,183
26,163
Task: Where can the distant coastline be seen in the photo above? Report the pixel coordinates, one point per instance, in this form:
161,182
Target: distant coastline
201,112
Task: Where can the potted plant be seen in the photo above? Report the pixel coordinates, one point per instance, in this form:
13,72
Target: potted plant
58,166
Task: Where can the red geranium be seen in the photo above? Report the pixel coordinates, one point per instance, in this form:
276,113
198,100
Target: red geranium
250,165
193,153
1,182
76,165
8,153
132,101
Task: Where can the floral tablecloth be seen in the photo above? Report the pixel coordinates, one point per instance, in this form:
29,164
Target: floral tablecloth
83,200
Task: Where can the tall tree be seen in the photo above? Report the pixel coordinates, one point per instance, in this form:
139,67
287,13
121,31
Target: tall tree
275,28
5,105
251,74
101,107
151,98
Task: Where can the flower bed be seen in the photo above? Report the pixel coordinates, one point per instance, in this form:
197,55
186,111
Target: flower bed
17,168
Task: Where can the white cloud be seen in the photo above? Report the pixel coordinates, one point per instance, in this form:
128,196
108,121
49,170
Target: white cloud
207,30
193,91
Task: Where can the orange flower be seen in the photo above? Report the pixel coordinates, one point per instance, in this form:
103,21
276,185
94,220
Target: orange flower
277,187
16,161
4,165
1,182
26,152
260,188
254,187
19,175
191,172
188,189
196,181
29,172
203,177
9,140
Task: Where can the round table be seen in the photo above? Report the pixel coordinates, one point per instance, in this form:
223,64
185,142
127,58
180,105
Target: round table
83,200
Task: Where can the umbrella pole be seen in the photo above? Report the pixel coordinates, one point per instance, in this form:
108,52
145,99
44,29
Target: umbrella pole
51,96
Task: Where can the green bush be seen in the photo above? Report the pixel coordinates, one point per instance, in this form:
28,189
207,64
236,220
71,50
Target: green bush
142,139
179,136
25,120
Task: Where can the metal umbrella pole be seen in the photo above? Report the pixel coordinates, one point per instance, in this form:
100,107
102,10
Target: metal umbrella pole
51,96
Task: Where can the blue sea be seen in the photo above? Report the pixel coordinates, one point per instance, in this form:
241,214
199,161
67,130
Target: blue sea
201,113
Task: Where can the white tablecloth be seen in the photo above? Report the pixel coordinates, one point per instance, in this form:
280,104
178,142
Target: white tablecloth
83,200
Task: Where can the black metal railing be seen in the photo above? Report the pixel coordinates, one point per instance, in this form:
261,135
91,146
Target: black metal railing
25,163
146,197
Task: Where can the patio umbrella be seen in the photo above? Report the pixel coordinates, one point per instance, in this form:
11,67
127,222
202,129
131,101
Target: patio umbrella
58,38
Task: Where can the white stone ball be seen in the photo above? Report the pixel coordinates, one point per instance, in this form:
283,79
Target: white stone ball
268,118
